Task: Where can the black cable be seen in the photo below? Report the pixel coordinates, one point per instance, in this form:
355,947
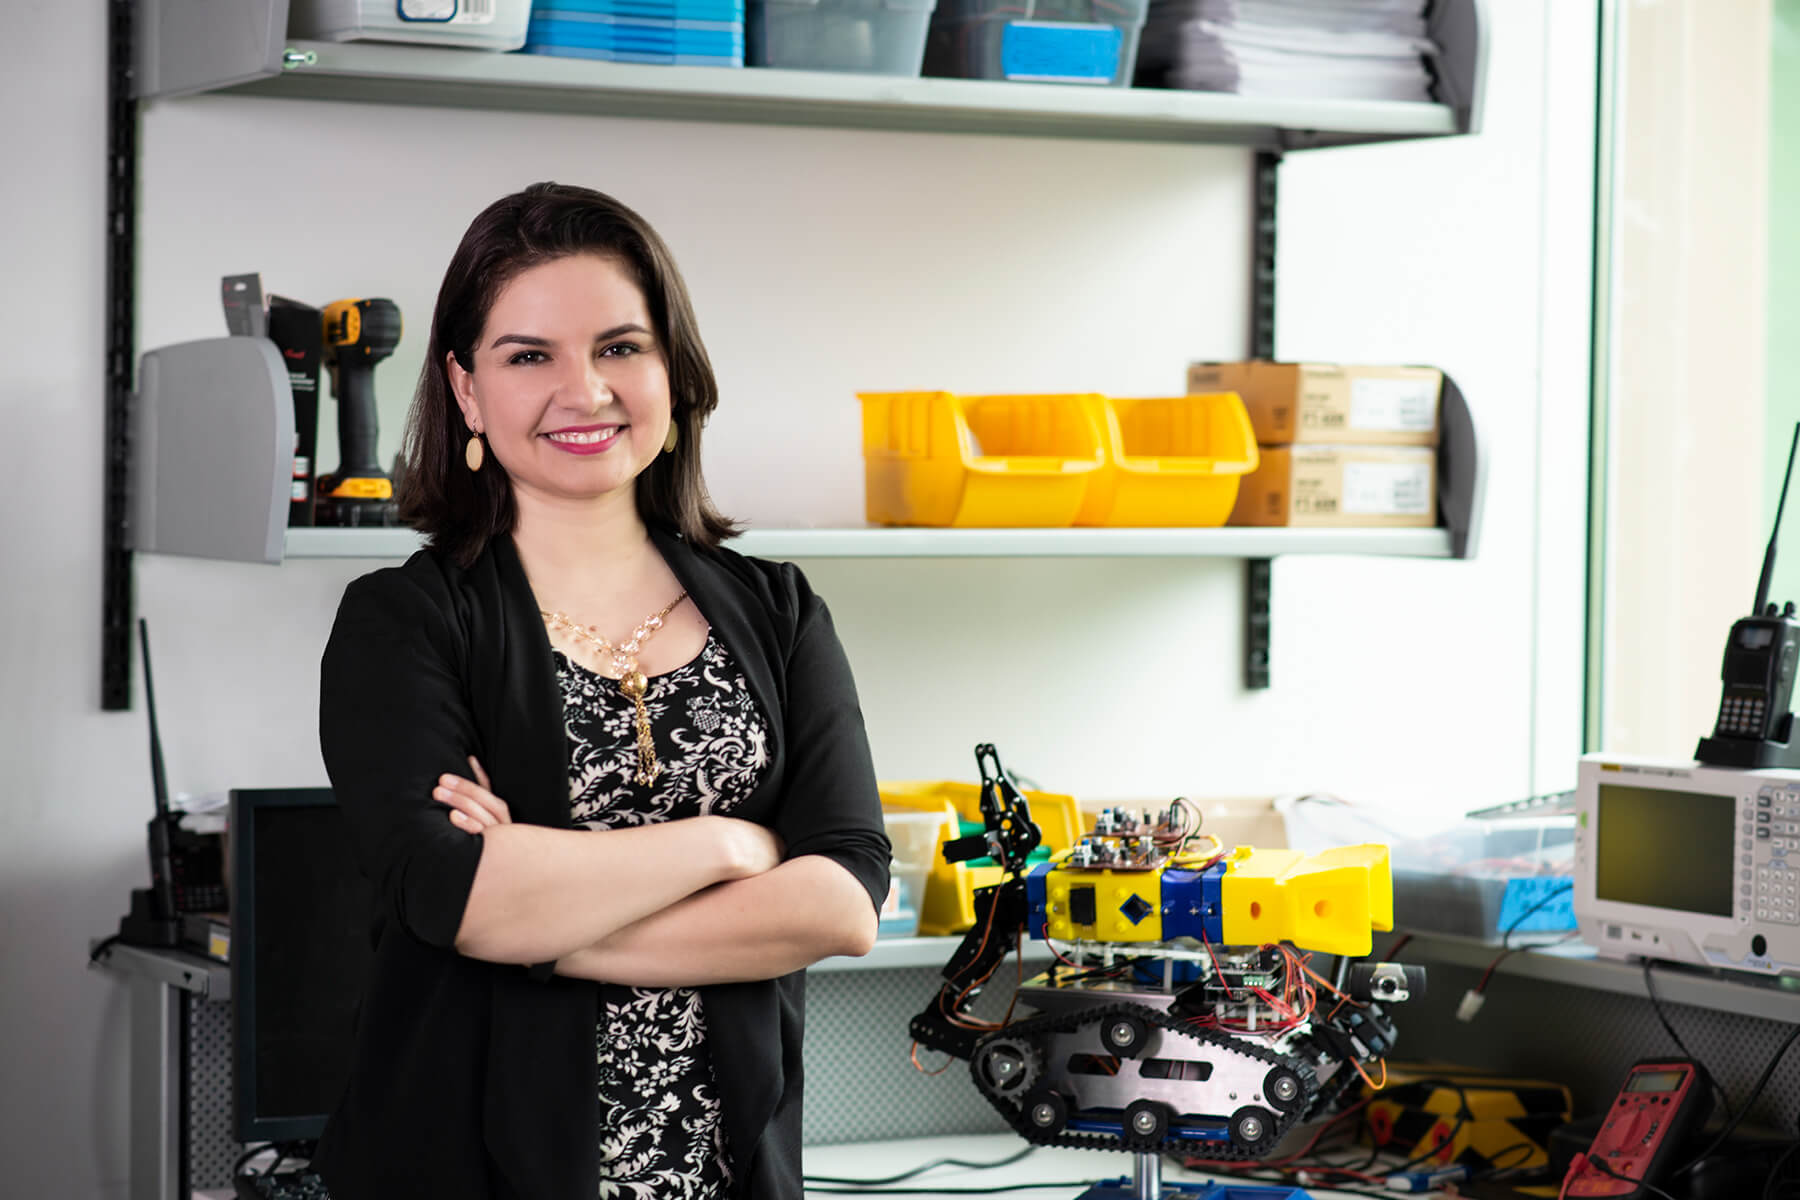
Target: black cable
946,1191
101,947
1547,897
254,1150
1656,1004
1507,949
1463,1116
1289,1176
1756,1092
1594,1161
1776,1170
1494,1168
903,1176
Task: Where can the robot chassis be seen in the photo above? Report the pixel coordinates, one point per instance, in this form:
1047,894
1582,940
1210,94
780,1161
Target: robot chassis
1164,1029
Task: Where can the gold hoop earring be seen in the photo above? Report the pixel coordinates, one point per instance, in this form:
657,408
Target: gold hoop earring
472,453
674,436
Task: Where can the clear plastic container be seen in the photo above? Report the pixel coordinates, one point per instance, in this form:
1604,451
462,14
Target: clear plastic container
1502,873
1036,41
875,37
475,24
916,836
947,900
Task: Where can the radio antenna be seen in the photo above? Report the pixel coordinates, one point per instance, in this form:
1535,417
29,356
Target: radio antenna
1768,571
158,780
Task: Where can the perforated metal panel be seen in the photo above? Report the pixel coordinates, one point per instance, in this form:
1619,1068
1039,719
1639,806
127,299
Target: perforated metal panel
860,1082
211,1147
861,1086
1588,1039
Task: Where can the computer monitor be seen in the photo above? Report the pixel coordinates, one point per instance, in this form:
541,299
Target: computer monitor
300,951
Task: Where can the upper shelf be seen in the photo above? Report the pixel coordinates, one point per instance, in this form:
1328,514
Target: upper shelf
974,543
185,48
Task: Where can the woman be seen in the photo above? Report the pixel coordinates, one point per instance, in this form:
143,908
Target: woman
610,779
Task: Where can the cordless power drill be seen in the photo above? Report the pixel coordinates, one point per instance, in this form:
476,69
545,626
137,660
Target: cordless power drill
358,334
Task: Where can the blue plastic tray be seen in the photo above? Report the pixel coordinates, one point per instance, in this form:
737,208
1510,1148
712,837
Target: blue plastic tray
713,39
671,60
598,30
674,10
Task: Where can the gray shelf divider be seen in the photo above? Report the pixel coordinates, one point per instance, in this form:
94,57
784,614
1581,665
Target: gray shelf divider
213,456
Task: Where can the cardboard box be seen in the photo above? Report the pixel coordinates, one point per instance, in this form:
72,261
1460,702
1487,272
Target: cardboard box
1381,487
1325,402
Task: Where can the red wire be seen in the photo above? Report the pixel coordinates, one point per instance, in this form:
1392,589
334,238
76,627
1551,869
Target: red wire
1577,1165
1218,971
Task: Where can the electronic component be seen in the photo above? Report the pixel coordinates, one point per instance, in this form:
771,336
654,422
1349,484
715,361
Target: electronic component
186,868
1182,1014
1660,1104
1755,724
1690,863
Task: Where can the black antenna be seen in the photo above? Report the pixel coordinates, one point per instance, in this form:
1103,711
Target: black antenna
1768,571
159,782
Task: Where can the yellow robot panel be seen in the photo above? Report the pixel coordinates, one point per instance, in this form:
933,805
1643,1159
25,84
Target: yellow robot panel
1328,902
948,905
1103,906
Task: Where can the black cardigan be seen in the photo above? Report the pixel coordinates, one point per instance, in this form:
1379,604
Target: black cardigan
477,1081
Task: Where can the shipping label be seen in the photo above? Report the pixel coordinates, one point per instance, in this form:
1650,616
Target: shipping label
1394,405
1388,489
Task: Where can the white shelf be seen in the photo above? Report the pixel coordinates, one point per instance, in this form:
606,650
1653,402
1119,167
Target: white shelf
973,543
211,980
1775,998
424,75
902,953
179,967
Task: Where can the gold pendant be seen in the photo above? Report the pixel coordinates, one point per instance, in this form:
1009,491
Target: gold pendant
632,684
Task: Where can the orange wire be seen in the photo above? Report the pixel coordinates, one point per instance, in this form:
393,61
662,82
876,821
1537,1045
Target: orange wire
974,1023
1372,1084
917,1066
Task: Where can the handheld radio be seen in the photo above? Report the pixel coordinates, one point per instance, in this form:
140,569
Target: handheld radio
1661,1104
1755,721
186,868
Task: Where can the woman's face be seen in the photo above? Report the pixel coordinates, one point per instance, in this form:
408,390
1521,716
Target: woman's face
570,386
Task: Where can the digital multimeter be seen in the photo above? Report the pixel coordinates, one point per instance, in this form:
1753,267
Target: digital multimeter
1661,1104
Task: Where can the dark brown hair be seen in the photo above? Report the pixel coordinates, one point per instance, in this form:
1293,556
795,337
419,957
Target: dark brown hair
460,510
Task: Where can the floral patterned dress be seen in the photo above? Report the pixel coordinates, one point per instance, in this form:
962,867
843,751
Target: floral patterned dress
661,1137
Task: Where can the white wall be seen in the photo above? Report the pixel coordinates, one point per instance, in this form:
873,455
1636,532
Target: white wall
1689,497
821,262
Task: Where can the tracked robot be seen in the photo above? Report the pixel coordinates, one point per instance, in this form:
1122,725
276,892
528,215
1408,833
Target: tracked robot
1183,1013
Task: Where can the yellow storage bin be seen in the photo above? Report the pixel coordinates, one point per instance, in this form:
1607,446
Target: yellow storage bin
949,901
1170,461
936,458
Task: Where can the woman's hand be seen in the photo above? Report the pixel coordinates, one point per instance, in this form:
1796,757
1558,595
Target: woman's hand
473,807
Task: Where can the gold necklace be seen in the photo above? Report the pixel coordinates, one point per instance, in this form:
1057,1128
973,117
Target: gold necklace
631,680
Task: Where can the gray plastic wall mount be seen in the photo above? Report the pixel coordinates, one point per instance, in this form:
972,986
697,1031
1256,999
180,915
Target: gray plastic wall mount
212,457
187,46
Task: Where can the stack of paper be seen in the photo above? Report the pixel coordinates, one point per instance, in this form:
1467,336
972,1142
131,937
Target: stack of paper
1313,49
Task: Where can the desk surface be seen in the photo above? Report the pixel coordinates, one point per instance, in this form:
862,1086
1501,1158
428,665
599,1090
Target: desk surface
1081,1168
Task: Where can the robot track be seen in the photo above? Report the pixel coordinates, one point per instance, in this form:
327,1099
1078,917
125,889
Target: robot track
1128,1077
